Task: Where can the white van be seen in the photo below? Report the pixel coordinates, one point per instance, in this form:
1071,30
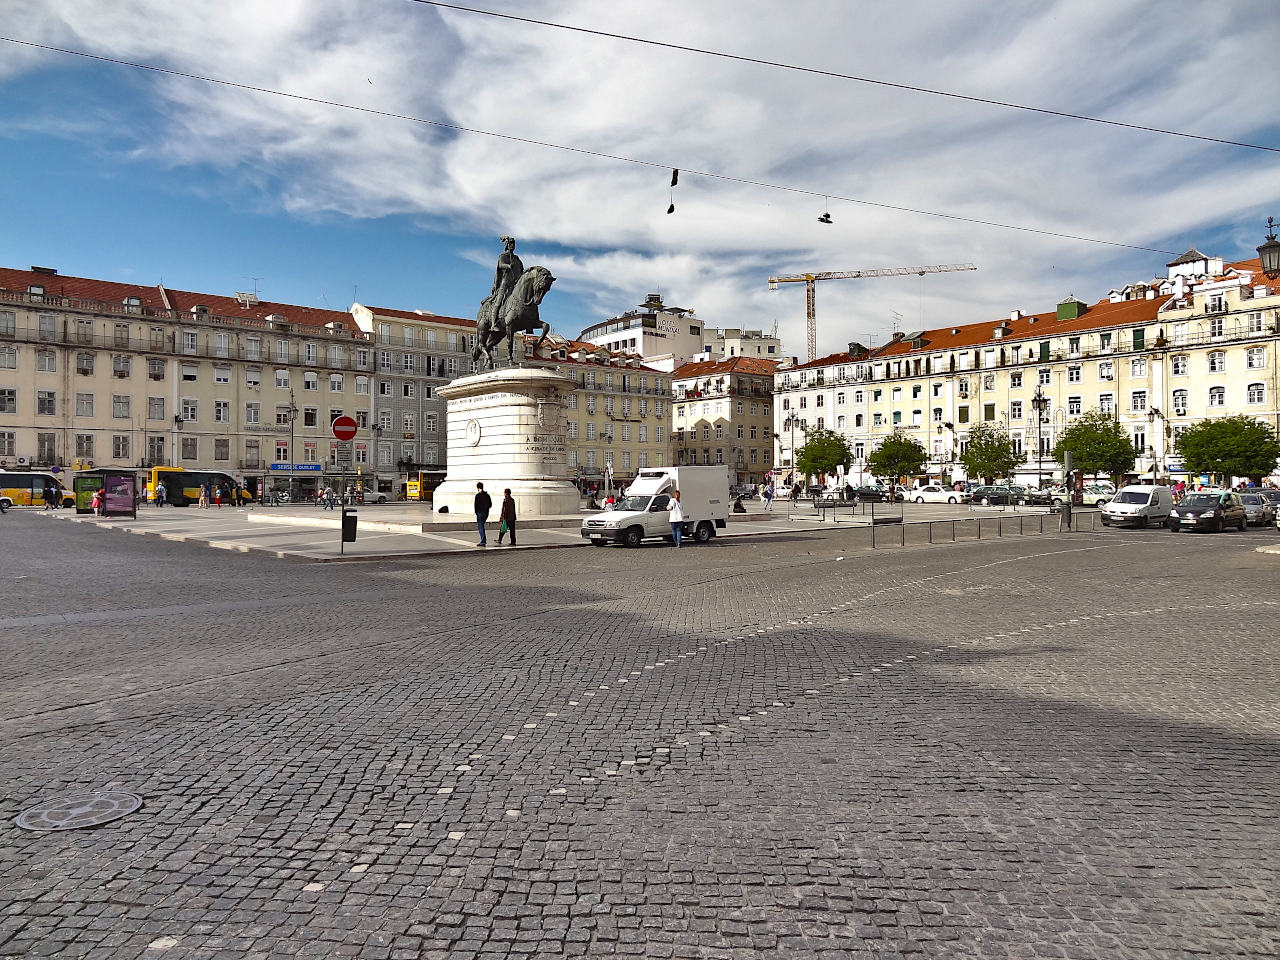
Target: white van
643,513
1142,505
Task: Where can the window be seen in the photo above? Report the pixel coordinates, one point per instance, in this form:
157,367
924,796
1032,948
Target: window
282,451
1044,376
988,383
937,414
335,383
1074,405
1255,358
719,431
310,353
1217,396
252,348
1217,326
1253,322
252,413
1015,380
252,378
1073,346
190,372
362,357
1107,402
8,323
1015,410
1139,339
47,328
362,386
47,447
1180,403
251,453
988,411
310,417
46,361
1256,393
362,420
120,407
222,344
410,363
46,403
310,381
84,404
572,430
155,369
407,389
222,411
1180,365
1106,370
282,351
221,374
189,408
120,447
84,362
384,361
9,400
1138,367
1140,439
384,388
190,448
962,414
189,342
839,399
84,445
221,449
310,452
1217,361
1138,401
1104,342
156,446
155,408
8,358
591,430
384,419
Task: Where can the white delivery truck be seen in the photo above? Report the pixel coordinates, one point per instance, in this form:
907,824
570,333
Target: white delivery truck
642,512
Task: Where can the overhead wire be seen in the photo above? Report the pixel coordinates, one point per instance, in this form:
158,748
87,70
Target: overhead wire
581,151
835,74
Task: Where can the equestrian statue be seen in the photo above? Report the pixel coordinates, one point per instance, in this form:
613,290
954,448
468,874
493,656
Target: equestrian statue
512,306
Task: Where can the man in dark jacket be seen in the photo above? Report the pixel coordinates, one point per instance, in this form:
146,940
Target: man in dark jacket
484,503
508,517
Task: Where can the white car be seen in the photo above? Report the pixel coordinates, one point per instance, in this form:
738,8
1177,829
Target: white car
936,494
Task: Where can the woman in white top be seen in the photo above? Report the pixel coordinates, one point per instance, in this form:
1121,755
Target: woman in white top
677,517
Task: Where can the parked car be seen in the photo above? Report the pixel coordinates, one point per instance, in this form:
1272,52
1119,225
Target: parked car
936,494
1208,511
1258,510
370,495
1096,496
993,495
1031,495
746,491
1140,505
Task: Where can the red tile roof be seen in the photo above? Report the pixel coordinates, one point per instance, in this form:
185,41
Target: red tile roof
414,315
748,365
183,301
79,288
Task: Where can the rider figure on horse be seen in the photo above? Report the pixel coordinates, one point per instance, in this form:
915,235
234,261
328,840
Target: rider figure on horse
508,271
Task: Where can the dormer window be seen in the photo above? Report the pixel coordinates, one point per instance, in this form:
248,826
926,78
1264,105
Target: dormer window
36,290
200,309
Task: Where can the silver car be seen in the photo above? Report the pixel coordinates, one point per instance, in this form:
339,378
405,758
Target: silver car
1258,509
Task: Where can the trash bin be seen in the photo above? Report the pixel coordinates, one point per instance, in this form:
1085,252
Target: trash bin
348,526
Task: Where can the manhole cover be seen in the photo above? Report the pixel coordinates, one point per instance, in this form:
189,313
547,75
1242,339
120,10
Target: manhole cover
79,811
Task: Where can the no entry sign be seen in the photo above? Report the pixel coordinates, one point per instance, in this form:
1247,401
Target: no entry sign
344,428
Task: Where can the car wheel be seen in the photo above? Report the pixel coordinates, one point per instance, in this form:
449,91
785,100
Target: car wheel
704,532
951,499
1144,523
986,501
1105,521
919,499
1244,524
1217,527
632,537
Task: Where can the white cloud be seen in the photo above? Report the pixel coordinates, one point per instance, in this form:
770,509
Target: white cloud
1115,60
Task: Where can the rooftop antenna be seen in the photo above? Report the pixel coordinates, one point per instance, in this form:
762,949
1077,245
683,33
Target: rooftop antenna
326,301
897,320
255,284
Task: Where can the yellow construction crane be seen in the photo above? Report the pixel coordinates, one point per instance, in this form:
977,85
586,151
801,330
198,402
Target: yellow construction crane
811,282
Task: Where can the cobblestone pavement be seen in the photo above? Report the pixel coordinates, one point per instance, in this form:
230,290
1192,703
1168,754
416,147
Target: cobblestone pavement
1058,746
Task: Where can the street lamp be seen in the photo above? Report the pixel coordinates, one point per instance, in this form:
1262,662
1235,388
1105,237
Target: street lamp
1269,252
1152,414
1039,401
177,428
293,418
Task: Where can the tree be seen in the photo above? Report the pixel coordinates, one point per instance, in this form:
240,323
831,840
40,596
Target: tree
823,451
897,456
1097,444
990,452
1238,446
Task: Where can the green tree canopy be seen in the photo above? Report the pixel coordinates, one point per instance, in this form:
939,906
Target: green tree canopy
1098,445
823,451
897,456
1238,446
990,452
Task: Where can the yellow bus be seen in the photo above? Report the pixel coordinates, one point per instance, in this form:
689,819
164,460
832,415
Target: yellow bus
182,487
25,488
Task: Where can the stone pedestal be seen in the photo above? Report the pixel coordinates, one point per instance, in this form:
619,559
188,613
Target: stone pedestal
506,428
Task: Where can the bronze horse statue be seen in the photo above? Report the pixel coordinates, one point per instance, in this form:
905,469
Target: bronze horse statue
517,313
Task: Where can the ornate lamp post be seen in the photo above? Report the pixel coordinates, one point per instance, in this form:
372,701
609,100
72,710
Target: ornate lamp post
293,418
1152,414
1039,401
1269,252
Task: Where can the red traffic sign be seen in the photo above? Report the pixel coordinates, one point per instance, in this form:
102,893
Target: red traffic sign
344,428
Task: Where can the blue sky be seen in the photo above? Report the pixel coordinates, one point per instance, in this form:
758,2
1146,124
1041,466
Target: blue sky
127,175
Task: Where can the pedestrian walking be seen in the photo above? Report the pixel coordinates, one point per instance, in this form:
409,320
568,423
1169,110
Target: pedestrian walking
50,497
160,494
768,495
677,517
508,516
204,496
95,503
483,504
217,496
